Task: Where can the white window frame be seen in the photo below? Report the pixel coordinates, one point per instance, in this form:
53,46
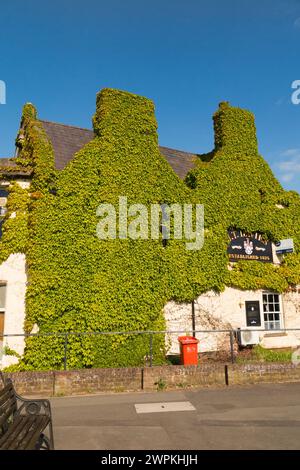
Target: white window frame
272,324
3,309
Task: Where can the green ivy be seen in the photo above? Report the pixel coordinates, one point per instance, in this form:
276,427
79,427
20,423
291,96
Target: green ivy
239,190
80,283
35,150
15,225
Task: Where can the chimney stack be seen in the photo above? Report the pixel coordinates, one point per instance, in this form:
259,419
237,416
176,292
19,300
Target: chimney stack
235,130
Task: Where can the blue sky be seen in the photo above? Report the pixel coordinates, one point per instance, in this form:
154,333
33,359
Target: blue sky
185,55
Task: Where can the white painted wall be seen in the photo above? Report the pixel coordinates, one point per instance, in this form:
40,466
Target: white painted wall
226,310
13,273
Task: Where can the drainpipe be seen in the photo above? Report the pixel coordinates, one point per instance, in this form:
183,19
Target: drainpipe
193,318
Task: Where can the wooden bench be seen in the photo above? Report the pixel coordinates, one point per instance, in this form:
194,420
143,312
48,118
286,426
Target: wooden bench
23,422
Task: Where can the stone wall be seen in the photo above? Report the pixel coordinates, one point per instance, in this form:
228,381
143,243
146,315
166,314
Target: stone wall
85,381
172,377
267,372
94,380
39,384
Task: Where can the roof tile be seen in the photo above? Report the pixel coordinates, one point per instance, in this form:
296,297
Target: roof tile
67,140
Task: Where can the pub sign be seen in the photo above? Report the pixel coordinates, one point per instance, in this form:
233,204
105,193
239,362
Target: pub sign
245,246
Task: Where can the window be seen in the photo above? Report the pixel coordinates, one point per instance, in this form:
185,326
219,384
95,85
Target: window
2,308
272,311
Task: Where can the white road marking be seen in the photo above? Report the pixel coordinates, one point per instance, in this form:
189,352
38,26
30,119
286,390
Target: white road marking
164,407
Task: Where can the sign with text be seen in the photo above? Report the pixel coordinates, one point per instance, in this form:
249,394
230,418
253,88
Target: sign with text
245,246
253,313
285,246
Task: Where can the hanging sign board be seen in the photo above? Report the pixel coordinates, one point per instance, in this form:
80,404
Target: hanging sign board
244,246
285,246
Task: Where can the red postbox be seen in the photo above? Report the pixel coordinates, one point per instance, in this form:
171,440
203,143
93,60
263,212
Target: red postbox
188,350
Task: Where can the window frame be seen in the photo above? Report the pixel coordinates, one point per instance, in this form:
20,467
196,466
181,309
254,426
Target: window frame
272,302
3,309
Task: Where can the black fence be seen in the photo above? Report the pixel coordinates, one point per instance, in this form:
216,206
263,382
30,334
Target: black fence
222,342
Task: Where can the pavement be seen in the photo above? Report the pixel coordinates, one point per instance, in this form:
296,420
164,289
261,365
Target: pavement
265,416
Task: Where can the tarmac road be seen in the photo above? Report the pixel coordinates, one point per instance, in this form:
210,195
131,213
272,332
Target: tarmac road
265,416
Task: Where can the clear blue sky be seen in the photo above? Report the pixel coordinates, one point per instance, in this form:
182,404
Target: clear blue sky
186,55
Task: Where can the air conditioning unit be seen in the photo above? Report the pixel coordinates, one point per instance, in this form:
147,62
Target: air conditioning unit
247,337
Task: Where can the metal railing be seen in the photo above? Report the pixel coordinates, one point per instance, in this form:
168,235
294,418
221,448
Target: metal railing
230,345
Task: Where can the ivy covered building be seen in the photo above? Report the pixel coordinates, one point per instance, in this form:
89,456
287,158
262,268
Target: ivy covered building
58,276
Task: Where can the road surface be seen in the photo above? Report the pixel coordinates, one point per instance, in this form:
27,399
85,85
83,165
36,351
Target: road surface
265,416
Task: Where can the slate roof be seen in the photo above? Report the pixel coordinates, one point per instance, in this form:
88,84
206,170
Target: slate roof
12,168
6,162
67,140
181,162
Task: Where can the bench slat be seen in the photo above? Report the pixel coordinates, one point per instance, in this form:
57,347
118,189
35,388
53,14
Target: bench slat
16,440
20,428
8,410
14,429
6,397
5,393
15,432
9,398
8,403
24,432
32,438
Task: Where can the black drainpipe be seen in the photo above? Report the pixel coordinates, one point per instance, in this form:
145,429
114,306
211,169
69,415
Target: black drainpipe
193,319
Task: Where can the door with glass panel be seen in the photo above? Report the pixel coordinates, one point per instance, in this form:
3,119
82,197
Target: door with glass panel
272,311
